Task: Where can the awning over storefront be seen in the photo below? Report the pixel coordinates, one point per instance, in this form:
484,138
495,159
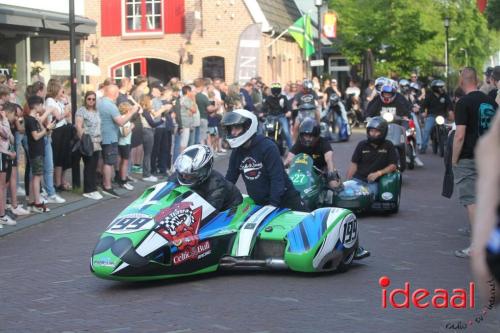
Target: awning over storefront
34,20
62,68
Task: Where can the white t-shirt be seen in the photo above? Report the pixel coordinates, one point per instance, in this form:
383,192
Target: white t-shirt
59,106
125,140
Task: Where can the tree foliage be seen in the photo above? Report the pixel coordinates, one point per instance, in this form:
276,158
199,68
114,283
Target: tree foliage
493,14
406,35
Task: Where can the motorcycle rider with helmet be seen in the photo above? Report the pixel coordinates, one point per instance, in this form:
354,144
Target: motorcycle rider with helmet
194,168
311,143
277,104
373,157
437,103
410,95
338,110
257,159
390,101
304,101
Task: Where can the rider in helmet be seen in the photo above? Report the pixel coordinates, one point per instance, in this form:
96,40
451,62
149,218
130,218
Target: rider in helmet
303,101
277,104
257,159
311,143
373,157
194,168
409,92
437,103
389,101
404,86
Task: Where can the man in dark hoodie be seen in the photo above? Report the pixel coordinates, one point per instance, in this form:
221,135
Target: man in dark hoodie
257,159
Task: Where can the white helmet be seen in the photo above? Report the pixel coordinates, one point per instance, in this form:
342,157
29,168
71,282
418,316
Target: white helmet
194,165
243,118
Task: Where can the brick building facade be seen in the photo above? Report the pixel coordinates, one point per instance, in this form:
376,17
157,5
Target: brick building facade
189,39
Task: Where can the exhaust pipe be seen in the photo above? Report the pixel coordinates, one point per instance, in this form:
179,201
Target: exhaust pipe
241,262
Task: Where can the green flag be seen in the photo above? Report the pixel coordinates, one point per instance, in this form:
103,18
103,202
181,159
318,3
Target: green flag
301,31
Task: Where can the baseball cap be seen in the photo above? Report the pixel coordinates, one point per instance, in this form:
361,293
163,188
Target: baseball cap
488,71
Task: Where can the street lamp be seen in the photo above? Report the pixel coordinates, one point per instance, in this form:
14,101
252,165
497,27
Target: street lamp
446,52
318,4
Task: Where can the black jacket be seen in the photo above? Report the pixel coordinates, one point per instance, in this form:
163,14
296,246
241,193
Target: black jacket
275,105
217,191
263,172
401,105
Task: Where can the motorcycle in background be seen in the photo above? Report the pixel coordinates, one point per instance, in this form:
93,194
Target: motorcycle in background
273,130
439,136
397,135
334,121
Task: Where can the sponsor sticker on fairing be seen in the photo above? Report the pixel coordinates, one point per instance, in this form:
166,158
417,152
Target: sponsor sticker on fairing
192,253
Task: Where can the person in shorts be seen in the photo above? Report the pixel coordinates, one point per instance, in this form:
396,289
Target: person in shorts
11,111
473,115
213,130
124,148
36,131
6,140
111,120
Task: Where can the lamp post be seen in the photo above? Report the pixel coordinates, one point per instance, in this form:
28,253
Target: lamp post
446,52
319,71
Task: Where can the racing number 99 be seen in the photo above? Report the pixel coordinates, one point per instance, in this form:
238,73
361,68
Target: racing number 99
350,231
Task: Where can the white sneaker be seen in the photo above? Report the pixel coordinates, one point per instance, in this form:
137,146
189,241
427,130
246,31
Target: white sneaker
131,179
151,179
7,220
55,199
19,210
21,192
93,195
127,186
419,162
89,195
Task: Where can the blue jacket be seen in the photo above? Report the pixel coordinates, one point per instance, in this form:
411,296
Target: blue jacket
262,169
248,100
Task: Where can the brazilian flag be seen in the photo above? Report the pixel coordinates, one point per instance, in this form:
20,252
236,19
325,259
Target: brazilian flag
301,31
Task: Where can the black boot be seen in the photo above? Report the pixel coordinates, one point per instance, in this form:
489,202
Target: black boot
361,253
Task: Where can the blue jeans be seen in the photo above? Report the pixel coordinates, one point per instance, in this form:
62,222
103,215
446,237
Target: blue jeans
177,146
286,130
428,126
372,187
194,136
48,167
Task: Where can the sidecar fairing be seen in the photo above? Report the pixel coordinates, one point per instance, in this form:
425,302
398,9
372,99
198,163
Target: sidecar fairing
171,231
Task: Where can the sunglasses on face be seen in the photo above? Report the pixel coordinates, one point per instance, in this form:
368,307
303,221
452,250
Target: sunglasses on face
90,99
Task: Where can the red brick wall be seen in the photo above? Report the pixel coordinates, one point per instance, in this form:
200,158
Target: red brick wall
217,34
